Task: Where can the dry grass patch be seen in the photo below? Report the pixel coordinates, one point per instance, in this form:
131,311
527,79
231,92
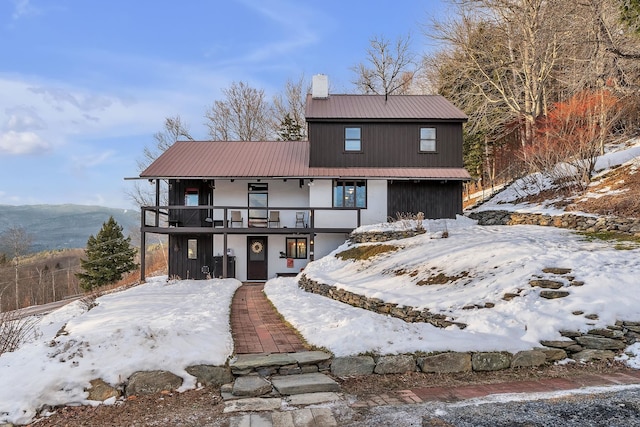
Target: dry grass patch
442,279
626,203
362,253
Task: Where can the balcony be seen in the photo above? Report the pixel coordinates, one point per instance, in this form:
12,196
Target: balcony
245,220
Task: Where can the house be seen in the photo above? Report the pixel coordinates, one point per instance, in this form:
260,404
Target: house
254,210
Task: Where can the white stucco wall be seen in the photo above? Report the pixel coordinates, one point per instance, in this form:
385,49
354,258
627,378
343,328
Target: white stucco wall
290,194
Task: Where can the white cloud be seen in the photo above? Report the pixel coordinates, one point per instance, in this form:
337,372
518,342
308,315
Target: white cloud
58,97
91,160
20,143
23,8
23,118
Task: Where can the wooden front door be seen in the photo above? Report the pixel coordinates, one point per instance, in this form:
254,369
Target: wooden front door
257,258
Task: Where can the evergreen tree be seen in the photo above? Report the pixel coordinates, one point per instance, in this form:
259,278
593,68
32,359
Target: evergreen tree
109,256
290,129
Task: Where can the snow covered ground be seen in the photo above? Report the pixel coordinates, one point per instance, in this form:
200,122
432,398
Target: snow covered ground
490,262
536,183
172,325
158,325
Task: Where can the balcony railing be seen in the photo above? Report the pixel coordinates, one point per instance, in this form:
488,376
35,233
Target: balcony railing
236,219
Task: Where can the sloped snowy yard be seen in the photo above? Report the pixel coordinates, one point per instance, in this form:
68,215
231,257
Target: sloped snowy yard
491,261
159,325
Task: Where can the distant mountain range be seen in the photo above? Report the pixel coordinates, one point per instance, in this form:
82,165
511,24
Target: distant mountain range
65,226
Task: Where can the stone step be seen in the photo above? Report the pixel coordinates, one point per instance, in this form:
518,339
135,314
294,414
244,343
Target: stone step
304,383
284,363
286,385
307,417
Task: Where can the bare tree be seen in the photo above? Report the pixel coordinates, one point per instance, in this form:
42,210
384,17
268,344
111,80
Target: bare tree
389,68
288,106
175,129
529,33
16,242
244,115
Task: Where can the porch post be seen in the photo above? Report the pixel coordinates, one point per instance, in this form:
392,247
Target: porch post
143,246
224,257
157,202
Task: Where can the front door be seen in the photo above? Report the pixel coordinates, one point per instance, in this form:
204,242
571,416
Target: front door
256,258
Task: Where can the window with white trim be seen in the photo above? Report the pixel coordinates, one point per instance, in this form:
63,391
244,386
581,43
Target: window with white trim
427,140
352,139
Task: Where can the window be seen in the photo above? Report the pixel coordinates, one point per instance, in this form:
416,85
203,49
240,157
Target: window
191,197
352,141
258,198
296,247
192,249
349,194
428,140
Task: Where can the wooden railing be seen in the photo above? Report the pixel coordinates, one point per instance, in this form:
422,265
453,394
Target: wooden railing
243,217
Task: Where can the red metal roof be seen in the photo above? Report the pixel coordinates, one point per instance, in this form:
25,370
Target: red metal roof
269,159
408,107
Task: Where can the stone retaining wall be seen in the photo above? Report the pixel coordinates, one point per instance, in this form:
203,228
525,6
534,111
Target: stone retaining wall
596,344
567,220
406,313
383,236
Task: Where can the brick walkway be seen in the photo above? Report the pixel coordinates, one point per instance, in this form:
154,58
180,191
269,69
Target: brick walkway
458,393
256,326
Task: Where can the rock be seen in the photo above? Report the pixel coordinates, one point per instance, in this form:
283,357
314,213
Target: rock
290,370
249,362
251,386
554,354
101,391
576,283
490,361
592,316
446,363
310,357
305,383
150,382
545,283
557,343
352,365
607,333
211,375
398,364
509,296
528,358
574,348
554,294
570,334
556,270
600,343
590,354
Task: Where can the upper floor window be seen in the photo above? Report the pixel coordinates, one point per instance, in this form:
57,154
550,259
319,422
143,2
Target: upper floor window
258,198
428,140
191,197
349,194
352,140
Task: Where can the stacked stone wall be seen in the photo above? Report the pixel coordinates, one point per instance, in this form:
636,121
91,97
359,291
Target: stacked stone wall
568,220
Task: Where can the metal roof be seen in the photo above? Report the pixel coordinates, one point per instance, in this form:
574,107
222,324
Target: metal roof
408,107
269,159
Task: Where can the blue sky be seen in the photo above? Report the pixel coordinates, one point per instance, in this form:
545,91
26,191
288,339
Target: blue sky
85,84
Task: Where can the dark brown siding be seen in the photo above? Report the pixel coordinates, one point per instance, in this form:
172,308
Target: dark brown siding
434,198
179,263
193,217
385,145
